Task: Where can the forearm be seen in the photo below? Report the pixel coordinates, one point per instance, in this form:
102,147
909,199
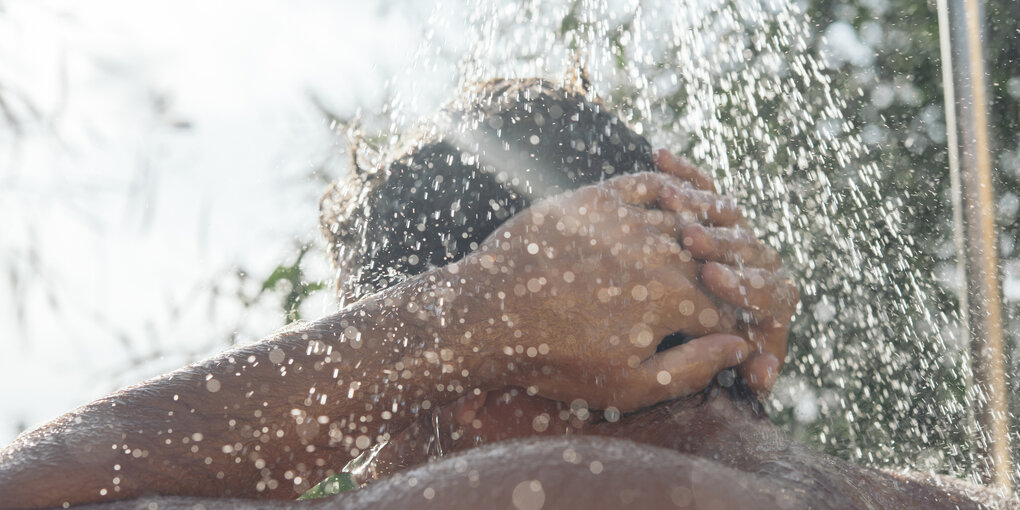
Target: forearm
258,421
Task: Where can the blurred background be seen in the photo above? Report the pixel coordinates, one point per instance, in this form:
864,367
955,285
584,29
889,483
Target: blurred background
160,169
161,164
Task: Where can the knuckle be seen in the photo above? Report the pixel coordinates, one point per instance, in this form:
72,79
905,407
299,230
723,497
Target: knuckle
746,235
645,175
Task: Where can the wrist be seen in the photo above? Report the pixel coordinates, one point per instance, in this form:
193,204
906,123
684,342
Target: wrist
496,317
452,311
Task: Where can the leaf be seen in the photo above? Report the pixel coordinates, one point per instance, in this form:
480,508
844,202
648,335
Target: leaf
331,486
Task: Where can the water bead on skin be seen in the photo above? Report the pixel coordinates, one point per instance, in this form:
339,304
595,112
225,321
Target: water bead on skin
641,335
708,318
757,281
686,307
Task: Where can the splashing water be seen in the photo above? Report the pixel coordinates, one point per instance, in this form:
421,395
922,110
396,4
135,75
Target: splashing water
874,371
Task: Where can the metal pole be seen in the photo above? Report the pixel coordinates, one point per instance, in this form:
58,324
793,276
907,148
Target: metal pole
961,26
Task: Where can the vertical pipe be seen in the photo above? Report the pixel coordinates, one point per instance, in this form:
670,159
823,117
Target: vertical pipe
966,103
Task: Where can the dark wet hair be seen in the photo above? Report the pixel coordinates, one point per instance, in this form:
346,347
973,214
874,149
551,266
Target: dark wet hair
484,159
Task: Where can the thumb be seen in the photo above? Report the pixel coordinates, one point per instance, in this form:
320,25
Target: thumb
688,368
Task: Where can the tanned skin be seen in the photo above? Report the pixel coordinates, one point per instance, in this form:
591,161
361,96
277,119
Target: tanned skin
567,299
713,450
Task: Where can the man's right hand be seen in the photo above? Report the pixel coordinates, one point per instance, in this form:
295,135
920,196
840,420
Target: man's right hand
583,287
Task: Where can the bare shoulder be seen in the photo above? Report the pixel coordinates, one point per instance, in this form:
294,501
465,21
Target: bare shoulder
580,472
592,472
988,496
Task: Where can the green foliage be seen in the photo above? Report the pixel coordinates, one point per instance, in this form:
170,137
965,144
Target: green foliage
331,486
290,279
287,280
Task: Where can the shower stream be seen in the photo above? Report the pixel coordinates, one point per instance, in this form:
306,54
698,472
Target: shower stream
875,369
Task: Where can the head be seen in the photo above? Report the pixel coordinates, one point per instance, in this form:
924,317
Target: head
508,144
511,143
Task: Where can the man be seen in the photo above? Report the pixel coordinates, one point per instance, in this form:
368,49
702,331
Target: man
265,420
751,463
566,300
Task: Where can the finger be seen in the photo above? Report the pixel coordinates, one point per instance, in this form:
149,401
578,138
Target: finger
760,372
767,296
660,253
694,205
642,188
687,309
663,221
729,245
666,162
763,366
688,368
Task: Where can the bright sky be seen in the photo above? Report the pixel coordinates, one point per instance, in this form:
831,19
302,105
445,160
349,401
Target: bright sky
116,219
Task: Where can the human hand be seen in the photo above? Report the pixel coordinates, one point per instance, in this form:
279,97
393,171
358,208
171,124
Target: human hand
586,285
743,273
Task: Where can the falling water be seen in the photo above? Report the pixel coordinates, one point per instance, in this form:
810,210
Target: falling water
874,373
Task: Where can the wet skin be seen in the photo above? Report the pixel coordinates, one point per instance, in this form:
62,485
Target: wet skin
229,426
266,420
702,452
712,450
709,451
